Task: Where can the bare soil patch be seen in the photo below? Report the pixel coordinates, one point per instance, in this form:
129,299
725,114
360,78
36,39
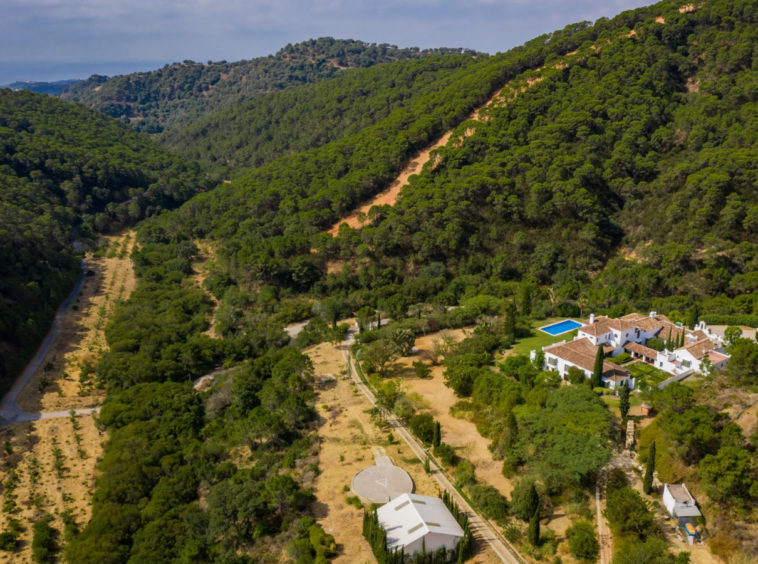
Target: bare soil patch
202,267
349,443
390,195
40,486
459,433
58,384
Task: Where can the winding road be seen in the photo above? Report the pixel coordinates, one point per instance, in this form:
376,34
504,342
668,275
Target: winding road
479,525
10,411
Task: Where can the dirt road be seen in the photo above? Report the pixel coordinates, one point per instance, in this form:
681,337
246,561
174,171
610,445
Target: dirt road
10,411
479,526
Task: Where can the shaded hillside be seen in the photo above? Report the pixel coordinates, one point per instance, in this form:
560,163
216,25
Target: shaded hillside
260,130
179,94
60,165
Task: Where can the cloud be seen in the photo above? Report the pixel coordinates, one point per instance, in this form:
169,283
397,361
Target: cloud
168,30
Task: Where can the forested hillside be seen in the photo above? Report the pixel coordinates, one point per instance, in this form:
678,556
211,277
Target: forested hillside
614,172
181,93
63,165
257,131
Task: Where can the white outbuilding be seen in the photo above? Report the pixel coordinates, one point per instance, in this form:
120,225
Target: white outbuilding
413,521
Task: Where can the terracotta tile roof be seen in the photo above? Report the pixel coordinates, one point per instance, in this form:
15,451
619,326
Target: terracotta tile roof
641,349
581,352
715,357
700,348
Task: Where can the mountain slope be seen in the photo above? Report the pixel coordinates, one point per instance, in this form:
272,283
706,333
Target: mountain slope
60,165
179,94
260,130
598,130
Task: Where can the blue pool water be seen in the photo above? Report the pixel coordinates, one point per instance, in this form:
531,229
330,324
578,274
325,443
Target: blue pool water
561,327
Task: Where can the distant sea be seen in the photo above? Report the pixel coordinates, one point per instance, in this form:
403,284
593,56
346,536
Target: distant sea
47,72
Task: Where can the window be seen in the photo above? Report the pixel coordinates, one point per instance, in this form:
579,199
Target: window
399,507
416,528
686,363
552,361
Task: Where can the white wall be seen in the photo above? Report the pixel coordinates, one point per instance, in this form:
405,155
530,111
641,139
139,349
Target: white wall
434,541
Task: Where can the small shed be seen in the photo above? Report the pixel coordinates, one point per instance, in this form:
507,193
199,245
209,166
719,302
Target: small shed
682,507
413,521
646,409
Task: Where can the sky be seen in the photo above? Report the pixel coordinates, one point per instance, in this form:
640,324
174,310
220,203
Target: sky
50,39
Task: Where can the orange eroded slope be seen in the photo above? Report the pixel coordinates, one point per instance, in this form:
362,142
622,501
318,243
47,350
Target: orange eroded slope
390,195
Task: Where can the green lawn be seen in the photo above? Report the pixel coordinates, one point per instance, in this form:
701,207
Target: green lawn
646,375
613,403
540,339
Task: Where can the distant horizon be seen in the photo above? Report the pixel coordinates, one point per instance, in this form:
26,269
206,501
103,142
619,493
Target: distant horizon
41,71
144,34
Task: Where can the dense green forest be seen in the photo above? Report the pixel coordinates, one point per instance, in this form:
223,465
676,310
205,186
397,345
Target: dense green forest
257,131
63,165
618,177
181,93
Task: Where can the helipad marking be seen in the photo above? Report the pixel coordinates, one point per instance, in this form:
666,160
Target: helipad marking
382,482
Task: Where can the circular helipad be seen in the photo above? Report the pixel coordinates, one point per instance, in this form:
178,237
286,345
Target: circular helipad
380,484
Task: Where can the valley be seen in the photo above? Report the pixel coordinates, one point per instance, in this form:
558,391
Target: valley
524,282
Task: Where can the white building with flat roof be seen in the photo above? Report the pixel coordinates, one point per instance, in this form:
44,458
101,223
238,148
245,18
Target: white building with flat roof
413,521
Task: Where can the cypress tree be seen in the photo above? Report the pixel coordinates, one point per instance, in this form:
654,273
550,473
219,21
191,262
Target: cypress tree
668,340
511,431
597,373
693,316
510,320
437,437
427,465
532,501
624,402
533,534
647,483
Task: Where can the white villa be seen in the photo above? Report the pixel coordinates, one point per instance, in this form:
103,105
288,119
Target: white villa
630,334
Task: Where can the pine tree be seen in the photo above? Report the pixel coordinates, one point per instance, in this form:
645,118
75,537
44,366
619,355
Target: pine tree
437,437
533,534
597,373
647,483
624,402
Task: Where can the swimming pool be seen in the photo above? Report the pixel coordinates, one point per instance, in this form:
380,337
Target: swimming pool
561,327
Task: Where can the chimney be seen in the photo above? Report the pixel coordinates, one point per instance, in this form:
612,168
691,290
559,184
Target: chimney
592,318
653,313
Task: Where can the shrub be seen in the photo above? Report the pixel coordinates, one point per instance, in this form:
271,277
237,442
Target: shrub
446,454
8,541
582,541
622,358
489,500
422,426
464,474
43,541
575,376
656,344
